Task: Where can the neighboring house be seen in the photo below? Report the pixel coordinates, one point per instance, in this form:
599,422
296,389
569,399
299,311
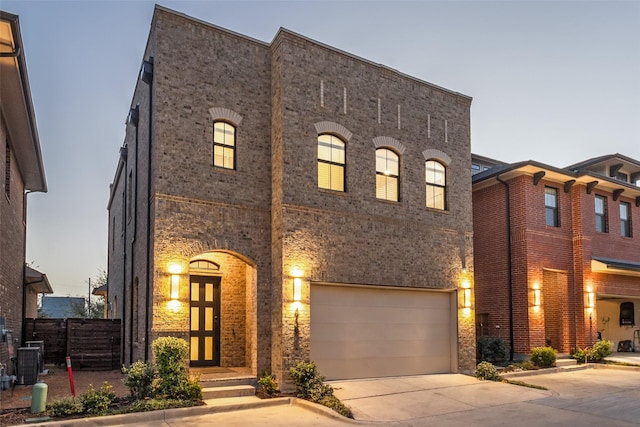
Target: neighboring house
557,250
35,283
305,203
22,172
61,307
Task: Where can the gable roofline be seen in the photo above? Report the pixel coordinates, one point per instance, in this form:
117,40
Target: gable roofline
19,114
561,175
601,159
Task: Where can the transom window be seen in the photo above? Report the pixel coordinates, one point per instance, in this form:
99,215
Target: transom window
331,162
436,185
601,214
387,174
625,219
224,145
551,206
203,264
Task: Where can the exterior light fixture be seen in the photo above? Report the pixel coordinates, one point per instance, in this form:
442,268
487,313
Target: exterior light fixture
175,270
591,298
466,303
297,289
466,296
536,297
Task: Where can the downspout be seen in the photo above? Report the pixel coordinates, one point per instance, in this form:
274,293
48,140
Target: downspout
509,263
147,77
23,332
133,119
123,157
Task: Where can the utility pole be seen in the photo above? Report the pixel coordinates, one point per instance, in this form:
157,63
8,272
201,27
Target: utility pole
89,300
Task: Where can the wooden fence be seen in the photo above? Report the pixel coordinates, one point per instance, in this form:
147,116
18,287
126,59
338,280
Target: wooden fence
92,344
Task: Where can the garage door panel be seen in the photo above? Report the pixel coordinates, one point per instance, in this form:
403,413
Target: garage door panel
373,332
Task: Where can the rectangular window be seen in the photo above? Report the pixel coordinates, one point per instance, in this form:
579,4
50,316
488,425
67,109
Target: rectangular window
625,219
7,171
601,214
224,145
551,206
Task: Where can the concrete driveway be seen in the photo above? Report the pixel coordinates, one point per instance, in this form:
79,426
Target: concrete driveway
607,396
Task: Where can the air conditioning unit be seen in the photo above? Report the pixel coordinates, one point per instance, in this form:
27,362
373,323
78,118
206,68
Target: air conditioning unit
27,369
39,345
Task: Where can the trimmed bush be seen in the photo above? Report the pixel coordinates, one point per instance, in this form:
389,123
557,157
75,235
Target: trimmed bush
65,407
310,386
174,381
600,350
486,371
139,379
268,385
544,357
580,354
98,401
491,349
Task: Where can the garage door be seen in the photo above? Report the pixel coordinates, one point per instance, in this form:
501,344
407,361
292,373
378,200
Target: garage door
359,332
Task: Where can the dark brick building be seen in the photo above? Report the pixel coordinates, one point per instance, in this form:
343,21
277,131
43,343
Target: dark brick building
287,200
557,251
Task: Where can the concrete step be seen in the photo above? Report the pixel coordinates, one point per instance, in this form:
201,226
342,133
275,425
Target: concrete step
225,382
566,362
217,392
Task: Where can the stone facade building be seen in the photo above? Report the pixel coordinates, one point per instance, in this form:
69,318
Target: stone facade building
22,171
557,253
282,201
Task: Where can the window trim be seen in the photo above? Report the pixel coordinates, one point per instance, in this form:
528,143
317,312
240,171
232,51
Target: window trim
332,163
381,173
603,215
233,147
555,209
429,184
626,224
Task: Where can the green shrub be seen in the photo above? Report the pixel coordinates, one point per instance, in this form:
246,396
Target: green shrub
600,350
544,357
486,371
155,404
173,380
98,401
139,379
308,381
65,407
580,354
268,385
491,349
334,403
310,386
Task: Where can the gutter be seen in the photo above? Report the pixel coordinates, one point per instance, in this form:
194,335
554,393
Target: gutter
509,263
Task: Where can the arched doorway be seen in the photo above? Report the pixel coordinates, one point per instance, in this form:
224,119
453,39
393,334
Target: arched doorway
223,310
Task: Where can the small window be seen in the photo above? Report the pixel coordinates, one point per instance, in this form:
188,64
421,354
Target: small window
551,206
627,314
331,162
224,145
625,219
621,176
203,264
387,174
601,214
436,185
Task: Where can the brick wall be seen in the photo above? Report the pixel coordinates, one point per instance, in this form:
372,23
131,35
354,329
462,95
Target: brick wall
12,236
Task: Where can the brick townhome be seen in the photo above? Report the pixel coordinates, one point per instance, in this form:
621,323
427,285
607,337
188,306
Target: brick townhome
572,268
304,203
22,171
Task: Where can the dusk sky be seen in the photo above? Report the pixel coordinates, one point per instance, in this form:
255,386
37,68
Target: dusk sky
556,82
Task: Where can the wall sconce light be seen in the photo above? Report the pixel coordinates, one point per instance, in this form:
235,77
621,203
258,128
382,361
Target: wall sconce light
175,286
175,271
591,298
297,289
466,298
536,297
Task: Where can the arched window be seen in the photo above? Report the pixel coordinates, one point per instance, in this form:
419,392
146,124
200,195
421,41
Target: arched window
331,162
224,145
387,174
203,264
436,185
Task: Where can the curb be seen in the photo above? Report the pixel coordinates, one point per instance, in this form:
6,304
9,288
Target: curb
164,414
547,371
